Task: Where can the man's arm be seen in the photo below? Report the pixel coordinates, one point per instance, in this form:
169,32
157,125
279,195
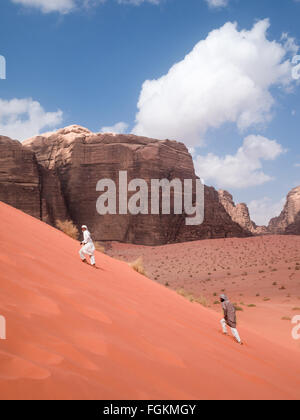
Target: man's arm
84,242
225,311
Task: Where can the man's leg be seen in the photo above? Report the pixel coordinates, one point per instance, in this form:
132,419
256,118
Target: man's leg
82,254
92,257
236,334
224,328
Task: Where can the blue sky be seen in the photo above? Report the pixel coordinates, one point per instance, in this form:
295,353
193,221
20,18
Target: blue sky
233,100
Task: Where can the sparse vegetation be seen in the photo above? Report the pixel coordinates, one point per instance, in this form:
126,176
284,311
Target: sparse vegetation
138,266
99,247
68,227
201,300
189,296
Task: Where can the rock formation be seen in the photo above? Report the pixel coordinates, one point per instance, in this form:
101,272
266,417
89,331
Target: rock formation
80,158
240,214
19,177
288,222
26,185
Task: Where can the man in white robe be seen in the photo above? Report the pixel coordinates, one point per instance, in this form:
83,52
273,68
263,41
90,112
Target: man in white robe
88,247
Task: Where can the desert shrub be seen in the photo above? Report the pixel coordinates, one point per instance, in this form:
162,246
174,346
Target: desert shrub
185,294
296,308
201,300
99,247
238,308
68,227
189,296
251,305
286,318
138,266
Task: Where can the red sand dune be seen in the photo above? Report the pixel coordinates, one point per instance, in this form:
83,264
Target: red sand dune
75,332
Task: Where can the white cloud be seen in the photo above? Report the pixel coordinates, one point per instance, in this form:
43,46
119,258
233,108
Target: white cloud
226,78
119,128
242,170
297,165
289,43
48,6
24,118
67,6
138,2
263,210
217,3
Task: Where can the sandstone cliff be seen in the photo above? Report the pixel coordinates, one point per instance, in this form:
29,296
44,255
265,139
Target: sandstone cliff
240,214
288,222
26,185
80,158
19,177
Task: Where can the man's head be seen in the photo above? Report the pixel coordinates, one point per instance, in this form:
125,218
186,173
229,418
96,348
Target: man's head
83,228
223,298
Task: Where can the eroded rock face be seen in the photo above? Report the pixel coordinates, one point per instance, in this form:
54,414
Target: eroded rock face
81,158
19,177
240,214
26,185
288,222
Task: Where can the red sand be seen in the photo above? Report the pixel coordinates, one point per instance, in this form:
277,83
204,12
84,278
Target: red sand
260,271
75,332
